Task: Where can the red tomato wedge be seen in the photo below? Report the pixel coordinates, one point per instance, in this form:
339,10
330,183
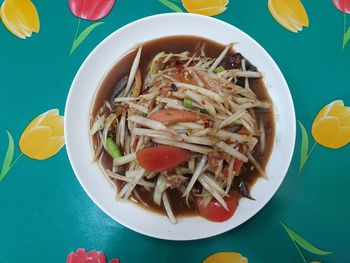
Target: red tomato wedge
215,212
162,158
237,164
236,167
174,116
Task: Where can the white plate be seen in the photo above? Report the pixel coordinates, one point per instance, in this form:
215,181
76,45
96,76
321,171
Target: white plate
80,99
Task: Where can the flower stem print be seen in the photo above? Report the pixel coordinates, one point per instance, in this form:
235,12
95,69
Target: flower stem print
202,7
78,39
171,5
91,10
299,241
344,6
331,129
346,35
8,161
20,17
7,164
41,139
304,152
290,14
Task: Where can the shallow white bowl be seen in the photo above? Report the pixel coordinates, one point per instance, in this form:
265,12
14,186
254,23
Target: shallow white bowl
87,81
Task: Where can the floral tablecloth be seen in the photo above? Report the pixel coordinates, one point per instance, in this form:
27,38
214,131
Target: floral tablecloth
47,217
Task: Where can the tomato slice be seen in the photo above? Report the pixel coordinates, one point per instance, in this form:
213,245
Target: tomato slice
162,158
173,116
237,164
236,167
244,131
215,212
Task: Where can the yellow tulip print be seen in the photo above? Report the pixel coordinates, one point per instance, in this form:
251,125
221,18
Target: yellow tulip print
205,7
331,127
20,17
290,14
202,7
44,136
41,139
226,257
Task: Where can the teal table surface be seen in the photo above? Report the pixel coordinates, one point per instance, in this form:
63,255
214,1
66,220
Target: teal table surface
44,212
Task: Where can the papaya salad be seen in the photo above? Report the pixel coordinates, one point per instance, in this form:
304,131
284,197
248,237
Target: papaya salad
185,131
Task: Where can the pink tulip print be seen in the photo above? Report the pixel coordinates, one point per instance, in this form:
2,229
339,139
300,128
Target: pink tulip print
344,6
91,10
81,256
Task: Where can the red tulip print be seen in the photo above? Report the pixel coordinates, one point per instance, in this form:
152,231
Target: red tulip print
91,9
81,256
342,5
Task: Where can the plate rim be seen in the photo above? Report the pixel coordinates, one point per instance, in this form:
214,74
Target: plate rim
140,21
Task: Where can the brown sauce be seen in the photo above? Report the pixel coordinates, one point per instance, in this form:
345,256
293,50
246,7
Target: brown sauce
177,44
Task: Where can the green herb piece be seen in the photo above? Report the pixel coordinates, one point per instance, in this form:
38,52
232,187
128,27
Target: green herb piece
113,148
219,69
303,243
188,104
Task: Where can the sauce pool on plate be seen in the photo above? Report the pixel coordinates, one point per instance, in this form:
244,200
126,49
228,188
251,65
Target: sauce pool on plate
262,116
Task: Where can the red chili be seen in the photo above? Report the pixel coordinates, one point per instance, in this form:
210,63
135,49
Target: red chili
135,143
179,66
